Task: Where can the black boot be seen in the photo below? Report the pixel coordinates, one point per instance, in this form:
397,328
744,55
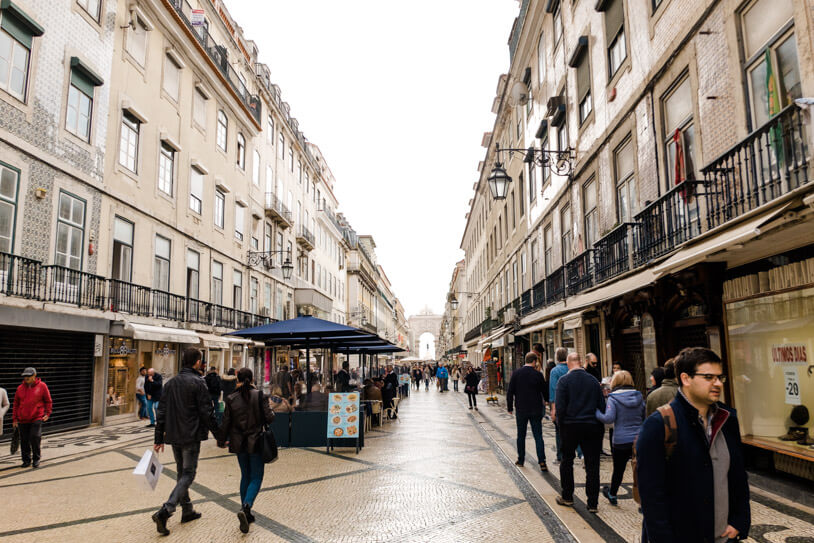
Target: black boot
160,518
243,517
188,515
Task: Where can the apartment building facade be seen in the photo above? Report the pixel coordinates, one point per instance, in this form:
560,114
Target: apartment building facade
685,211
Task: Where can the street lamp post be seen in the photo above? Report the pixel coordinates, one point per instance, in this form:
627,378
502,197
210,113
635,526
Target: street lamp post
254,258
559,162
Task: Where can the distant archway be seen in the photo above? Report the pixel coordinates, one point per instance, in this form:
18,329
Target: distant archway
426,346
425,322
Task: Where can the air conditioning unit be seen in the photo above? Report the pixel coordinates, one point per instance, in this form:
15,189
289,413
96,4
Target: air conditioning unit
264,311
509,316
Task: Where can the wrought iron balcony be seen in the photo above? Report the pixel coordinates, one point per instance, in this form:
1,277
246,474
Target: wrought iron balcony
555,286
612,253
128,298
768,163
472,334
20,276
579,273
525,302
667,223
68,286
305,238
277,211
538,295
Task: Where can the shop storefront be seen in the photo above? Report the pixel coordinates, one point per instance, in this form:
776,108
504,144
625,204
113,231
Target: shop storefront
122,373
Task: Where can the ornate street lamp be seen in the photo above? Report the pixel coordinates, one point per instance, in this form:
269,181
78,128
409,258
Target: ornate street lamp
559,162
499,182
267,258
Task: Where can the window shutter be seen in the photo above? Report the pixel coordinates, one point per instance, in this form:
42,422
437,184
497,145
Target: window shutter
17,23
614,19
81,82
583,78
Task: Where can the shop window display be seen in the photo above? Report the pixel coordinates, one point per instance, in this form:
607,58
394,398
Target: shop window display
772,372
122,373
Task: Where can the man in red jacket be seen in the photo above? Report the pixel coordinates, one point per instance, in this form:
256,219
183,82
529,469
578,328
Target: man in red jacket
32,407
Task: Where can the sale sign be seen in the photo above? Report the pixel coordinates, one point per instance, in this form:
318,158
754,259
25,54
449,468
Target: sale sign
789,354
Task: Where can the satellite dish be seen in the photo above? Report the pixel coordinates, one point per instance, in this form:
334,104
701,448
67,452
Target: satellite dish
519,94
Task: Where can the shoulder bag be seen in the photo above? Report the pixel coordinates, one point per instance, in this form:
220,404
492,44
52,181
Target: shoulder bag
266,438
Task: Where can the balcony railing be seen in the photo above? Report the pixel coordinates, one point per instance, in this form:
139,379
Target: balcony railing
220,57
538,295
667,223
472,334
612,254
579,273
277,210
20,276
489,324
129,298
68,286
525,302
555,286
198,311
770,162
168,306
305,237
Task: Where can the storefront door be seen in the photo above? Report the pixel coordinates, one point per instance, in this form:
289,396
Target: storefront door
122,373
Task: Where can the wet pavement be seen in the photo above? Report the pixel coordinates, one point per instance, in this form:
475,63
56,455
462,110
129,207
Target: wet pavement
439,473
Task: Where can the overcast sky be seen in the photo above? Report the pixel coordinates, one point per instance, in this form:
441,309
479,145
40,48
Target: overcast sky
397,95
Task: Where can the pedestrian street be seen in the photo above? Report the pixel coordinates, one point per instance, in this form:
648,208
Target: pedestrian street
439,473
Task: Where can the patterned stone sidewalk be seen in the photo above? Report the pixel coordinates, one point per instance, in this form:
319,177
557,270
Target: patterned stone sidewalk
441,473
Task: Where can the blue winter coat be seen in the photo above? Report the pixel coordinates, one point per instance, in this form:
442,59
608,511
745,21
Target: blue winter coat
442,373
677,495
625,410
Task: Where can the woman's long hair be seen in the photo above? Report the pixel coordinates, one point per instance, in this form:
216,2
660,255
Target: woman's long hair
245,377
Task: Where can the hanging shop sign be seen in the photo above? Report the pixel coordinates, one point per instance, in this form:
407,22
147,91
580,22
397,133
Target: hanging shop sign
786,354
122,350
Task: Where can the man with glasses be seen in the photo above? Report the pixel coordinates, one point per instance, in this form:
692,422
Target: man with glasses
692,482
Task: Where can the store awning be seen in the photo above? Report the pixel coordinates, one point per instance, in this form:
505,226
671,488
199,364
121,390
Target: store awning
551,323
572,321
494,335
699,252
212,341
238,340
163,334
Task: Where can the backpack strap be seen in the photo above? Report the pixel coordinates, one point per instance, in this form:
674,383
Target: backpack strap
670,429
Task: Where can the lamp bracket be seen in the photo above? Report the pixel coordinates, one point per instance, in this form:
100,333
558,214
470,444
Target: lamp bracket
559,162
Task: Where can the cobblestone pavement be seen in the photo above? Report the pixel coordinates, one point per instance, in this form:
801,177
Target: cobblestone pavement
440,473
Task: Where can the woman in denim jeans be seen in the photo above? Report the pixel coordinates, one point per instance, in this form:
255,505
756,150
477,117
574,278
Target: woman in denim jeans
245,414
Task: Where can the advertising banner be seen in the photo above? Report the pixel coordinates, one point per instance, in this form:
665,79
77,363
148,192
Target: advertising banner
343,415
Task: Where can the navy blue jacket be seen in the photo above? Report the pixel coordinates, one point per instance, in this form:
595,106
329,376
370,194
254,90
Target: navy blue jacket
578,398
677,495
526,390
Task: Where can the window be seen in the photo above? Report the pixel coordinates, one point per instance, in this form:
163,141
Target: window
128,146
172,77
196,181
532,182
220,208
626,200
256,168
565,228
166,169
679,137
290,159
70,231
255,243
535,265
223,130
91,7
237,289
267,237
299,171
514,214
217,282
584,88
541,60
137,40
16,39
9,181
241,151
591,214
199,108
270,130
239,220
514,279
193,274
254,287
615,35
161,265
548,238
79,109
557,25
521,197
122,265
279,247
266,299
562,137
772,66
281,147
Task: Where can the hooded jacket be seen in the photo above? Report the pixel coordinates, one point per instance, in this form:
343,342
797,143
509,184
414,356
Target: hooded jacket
625,410
31,403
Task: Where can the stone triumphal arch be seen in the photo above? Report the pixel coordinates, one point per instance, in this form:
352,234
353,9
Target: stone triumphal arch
424,322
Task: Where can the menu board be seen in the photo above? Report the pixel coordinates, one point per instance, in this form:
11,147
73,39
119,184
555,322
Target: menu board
343,415
404,379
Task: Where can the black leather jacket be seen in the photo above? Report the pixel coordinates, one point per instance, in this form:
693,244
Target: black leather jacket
242,422
185,413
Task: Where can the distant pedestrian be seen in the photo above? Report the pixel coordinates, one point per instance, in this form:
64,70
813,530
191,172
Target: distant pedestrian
244,416
141,398
283,380
426,373
696,490
390,390
228,382
342,379
592,366
213,385
625,410
656,377
666,392
556,373
153,387
526,391
32,407
443,376
471,381
185,418
578,398
418,375
456,376
4,407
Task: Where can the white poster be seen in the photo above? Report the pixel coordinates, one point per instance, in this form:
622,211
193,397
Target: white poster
792,387
789,354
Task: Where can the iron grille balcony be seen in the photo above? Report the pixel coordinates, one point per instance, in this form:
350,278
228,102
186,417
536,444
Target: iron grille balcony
167,305
770,162
278,211
579,273
667,223
129,298
525,302
68,286
612,254
305,238
555,286
20,276
538,295
198,311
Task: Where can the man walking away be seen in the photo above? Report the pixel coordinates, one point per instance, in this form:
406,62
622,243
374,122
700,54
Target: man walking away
184,419
579,396
526,390
553,378
666,392
153,387
692,482
471,381
141,398
32,407
213,385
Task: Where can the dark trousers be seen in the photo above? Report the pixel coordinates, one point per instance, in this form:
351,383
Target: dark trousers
142,405
455,384
473,399
558,442
536,421
30,438
186,465
587,435
252,469
621,456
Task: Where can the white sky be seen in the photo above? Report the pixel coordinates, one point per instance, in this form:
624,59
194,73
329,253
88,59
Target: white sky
397,95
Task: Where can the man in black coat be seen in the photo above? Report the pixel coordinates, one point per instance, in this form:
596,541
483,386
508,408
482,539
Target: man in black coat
391,388
526,390
213,385
153,386
185,418
700,493
342,378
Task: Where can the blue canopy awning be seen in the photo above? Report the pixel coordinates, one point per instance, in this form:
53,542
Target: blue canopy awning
300,327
